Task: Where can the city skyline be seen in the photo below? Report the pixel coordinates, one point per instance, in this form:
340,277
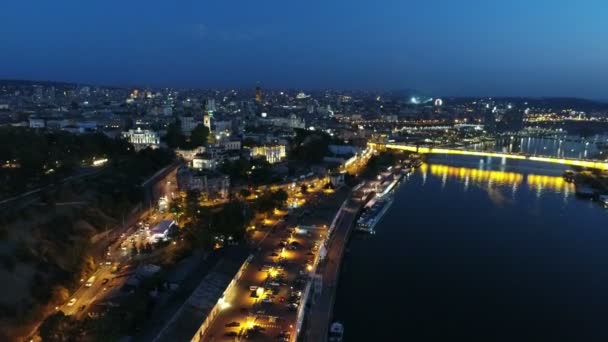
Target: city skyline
464,49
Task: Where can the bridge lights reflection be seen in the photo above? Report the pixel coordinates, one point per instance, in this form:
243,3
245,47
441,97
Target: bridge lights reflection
468,175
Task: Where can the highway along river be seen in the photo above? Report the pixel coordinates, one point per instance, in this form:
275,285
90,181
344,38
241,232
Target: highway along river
477,250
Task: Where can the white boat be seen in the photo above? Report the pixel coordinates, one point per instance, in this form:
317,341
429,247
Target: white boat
604,199
336,332
372,215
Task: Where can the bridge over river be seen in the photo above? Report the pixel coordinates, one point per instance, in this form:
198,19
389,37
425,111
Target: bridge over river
588,163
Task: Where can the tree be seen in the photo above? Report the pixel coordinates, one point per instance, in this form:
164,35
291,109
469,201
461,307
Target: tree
270,200
199,136
245,193
58,327
174,137
310,147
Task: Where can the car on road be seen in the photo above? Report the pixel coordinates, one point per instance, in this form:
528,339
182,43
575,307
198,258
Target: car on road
105,281
72,302
231,334
233,324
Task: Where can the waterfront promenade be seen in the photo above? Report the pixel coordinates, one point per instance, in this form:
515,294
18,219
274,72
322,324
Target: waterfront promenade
321,310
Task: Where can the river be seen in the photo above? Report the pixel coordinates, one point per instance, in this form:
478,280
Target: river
480,250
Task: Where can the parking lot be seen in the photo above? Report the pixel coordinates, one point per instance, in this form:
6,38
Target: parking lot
264,304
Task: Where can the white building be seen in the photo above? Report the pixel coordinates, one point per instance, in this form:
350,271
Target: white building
142,138
161,231
204,161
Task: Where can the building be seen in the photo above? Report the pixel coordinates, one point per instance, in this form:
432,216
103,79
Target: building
230,145
205,161
211,106
210,183
188,123
160,232
292,121
189,155
207,121
272,153
142,138
222,128
37,122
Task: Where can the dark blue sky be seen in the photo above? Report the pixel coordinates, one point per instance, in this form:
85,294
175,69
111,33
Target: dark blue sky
449,47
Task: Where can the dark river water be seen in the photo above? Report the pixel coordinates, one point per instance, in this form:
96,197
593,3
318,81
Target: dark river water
480,250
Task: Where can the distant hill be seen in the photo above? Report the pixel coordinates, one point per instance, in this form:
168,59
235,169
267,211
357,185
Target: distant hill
57,84
543,102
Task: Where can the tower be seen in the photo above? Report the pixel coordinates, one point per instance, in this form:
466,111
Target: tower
258,94
207,121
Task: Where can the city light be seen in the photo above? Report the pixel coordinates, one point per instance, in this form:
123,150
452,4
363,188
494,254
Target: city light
223,305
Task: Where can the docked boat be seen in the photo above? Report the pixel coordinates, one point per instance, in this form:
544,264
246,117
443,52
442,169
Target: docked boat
336,332
568,176
604,200
372,215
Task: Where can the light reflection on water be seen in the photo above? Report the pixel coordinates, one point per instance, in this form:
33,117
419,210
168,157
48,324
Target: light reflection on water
489,178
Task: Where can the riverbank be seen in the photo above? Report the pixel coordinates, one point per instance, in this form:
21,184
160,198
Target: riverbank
320,314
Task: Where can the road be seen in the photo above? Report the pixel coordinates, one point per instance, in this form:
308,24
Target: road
118,255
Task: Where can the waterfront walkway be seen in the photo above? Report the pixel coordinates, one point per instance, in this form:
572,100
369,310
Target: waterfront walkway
321,310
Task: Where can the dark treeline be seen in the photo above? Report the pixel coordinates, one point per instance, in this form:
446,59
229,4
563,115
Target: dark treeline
31,158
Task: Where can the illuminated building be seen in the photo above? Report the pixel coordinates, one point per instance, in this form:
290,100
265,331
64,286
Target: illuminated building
210,183
272,153
438,102
142,138
207,121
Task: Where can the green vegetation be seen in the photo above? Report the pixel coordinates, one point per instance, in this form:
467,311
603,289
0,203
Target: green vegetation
270,200
33,158
380,162
255,171
208,223
119,187
53,243
175,138
310,147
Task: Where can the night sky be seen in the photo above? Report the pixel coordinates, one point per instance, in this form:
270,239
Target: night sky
449,47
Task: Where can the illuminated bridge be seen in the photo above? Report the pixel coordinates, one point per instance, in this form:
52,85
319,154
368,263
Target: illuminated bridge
592,164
